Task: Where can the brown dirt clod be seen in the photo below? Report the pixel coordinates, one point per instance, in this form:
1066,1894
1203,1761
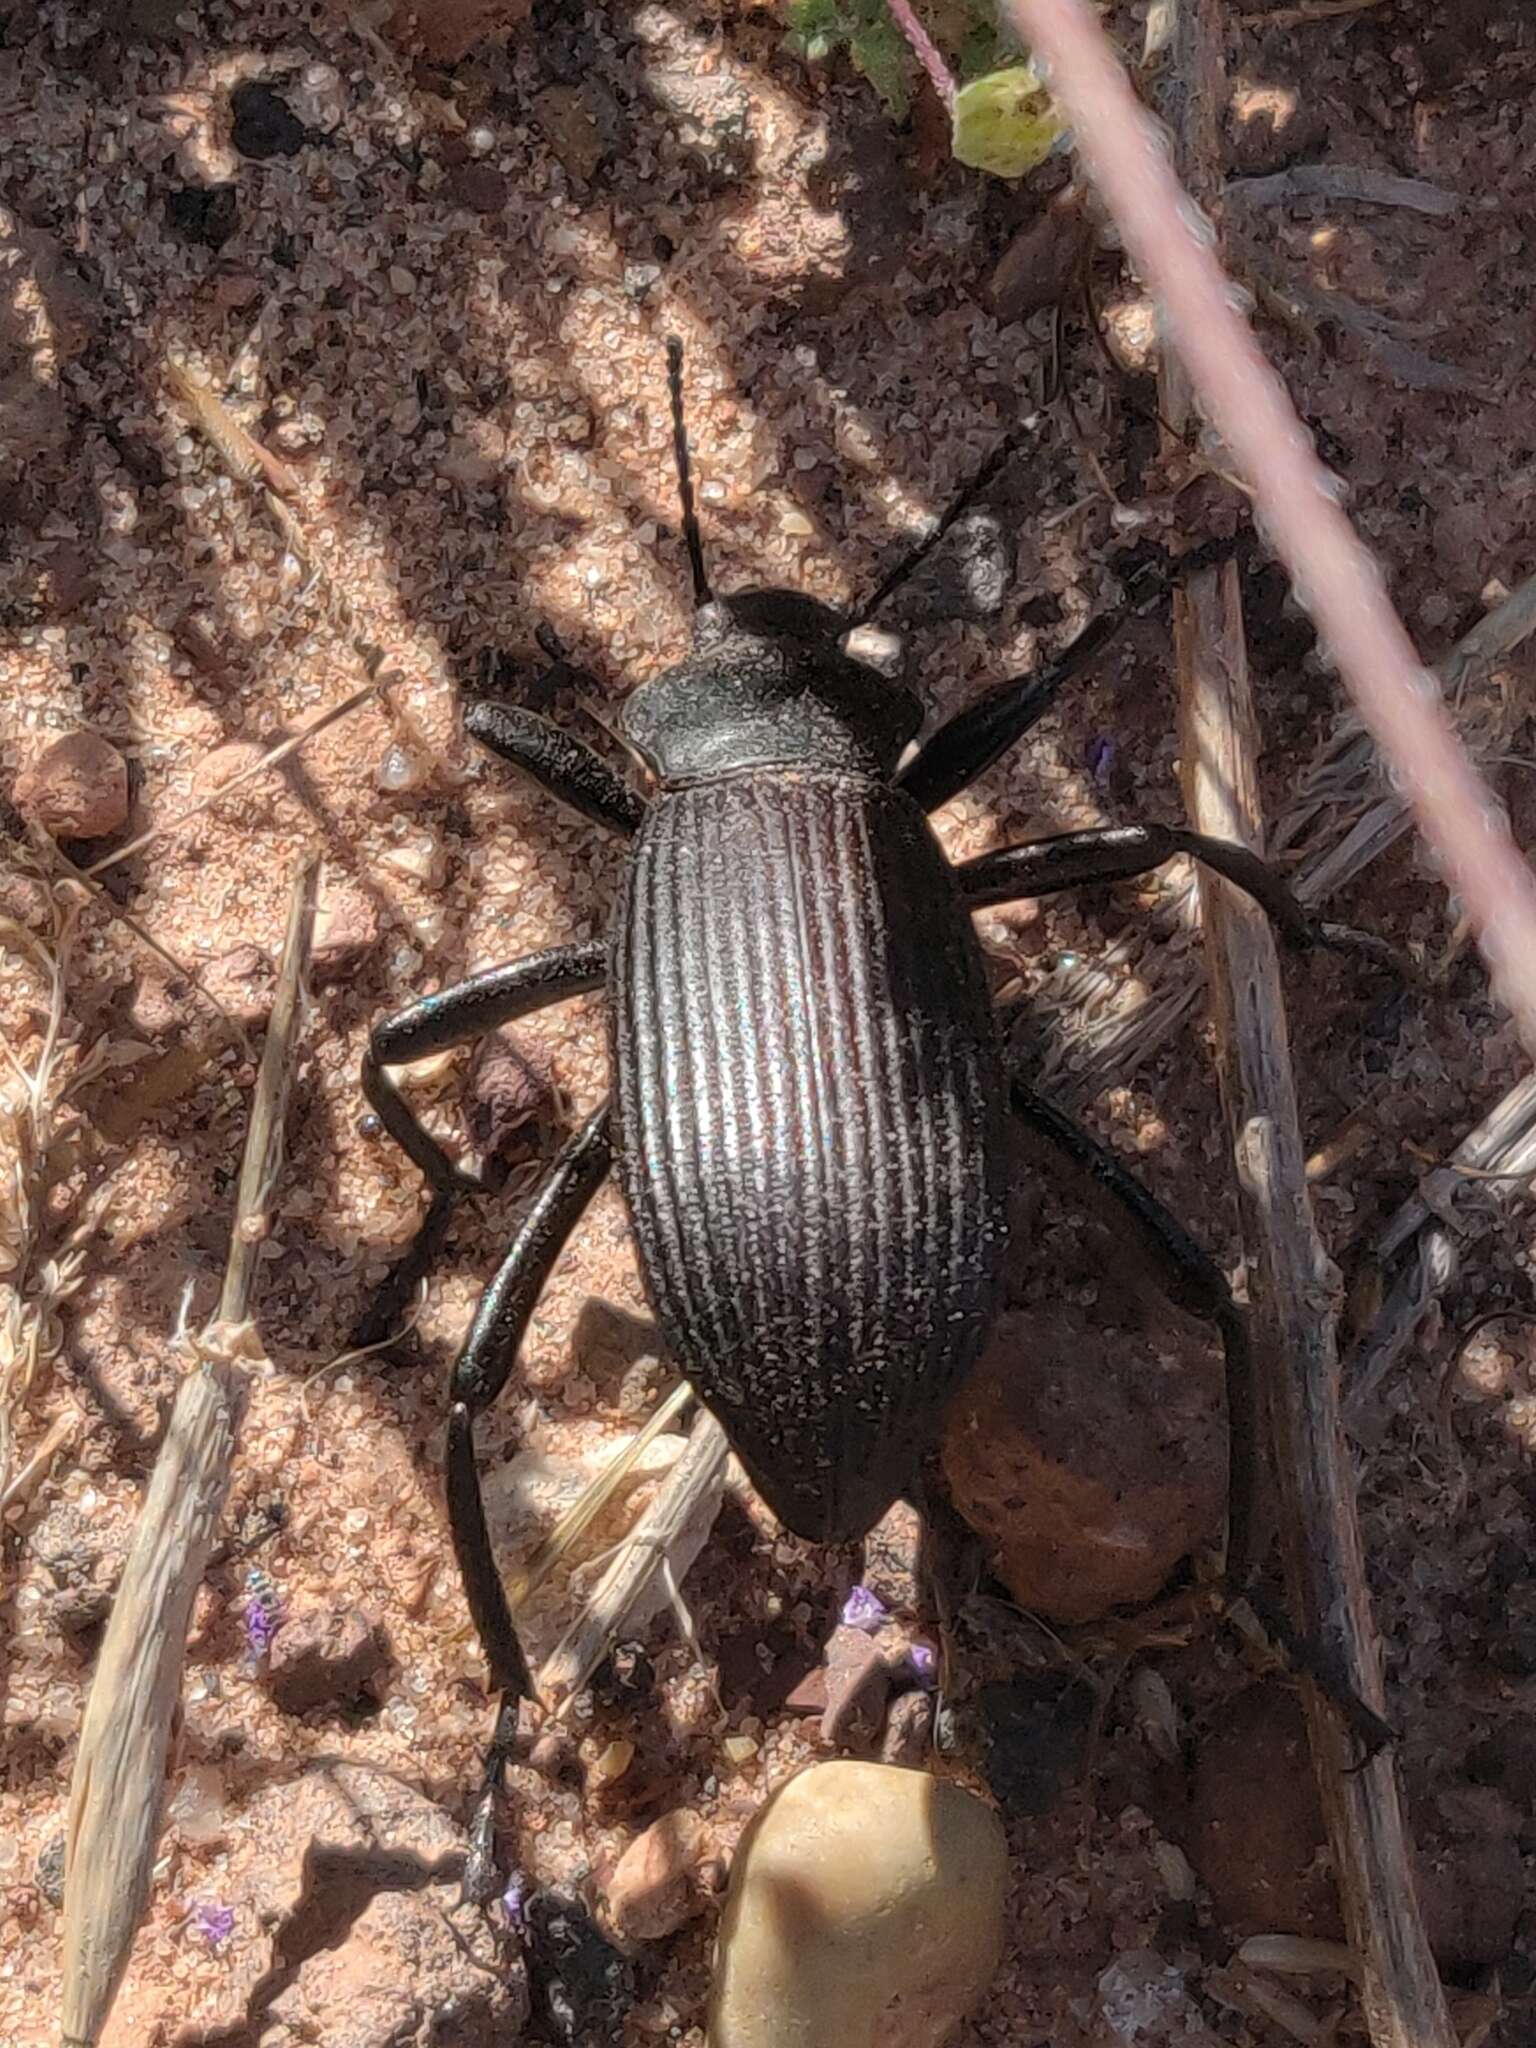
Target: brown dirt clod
77,788
1255,1828
1090,1463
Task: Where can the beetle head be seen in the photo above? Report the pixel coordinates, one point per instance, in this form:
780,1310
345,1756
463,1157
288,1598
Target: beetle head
767,683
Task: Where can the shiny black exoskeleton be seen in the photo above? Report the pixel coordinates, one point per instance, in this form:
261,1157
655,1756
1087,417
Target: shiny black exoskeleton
811,1106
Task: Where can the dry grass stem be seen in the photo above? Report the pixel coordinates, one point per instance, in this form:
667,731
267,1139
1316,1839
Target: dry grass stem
1424,1237
117,1791
85,878
1293,1319
44,1142
567,1532
650,1565
55,1437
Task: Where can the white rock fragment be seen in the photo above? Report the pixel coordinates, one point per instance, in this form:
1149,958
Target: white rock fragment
866,1911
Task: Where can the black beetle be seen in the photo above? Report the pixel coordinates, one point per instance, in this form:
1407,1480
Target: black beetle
811,1109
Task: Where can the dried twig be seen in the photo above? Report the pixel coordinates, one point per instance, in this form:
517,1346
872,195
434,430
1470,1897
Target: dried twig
567,1532
651,1563
1314,11
1353,183
118,1786
1293,1318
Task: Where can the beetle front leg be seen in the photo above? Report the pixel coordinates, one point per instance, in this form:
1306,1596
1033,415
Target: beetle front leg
1114,853
565,766
966,745
453,1017
482,1370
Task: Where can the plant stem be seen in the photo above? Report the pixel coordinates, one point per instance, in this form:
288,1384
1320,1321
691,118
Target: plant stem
924,49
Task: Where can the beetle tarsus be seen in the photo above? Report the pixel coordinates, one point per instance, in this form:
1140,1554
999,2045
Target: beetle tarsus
1313,1658
482,1869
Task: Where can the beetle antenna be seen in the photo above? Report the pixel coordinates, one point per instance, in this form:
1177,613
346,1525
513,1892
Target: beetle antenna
702,594
964,497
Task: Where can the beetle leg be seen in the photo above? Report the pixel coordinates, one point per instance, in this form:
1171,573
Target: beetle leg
559,762
482,1370
1111,853
968,744
1195,1282
452,1017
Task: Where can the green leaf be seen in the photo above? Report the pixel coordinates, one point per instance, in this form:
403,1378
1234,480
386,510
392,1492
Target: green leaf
864,28
1005,123
880,52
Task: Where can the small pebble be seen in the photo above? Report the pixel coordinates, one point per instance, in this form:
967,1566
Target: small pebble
346,932
214,1923
908,1734
658,1882
612,1764
76,789
862,1610
858,1686
48,1871
401,769
1093,1473
898,1882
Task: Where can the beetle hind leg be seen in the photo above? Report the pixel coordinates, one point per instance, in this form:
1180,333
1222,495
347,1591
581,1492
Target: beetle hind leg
481,1372
1196,1283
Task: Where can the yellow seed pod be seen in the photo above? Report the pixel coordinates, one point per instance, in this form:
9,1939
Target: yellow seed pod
1004,123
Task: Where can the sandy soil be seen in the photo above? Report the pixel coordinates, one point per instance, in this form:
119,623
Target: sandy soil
443,309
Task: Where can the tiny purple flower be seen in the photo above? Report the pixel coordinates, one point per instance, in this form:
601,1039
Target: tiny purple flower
923,1663
263,1614
1101,759
512,1901
862,1610
214,1923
